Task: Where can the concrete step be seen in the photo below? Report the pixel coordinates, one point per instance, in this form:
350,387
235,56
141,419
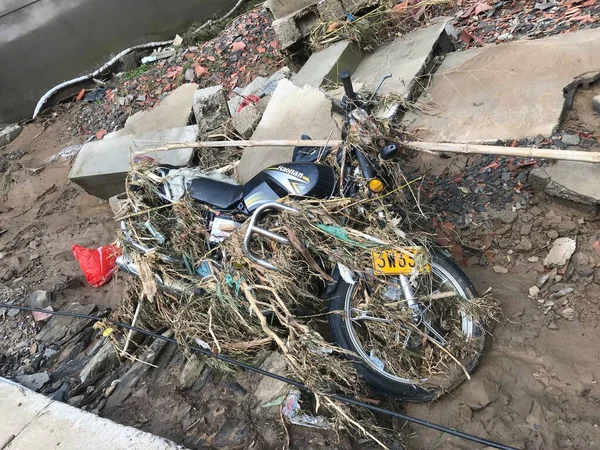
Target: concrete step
31,420
570,180
301,16
101,166
282,8
406,58
488,93
325,66
291,112
173,111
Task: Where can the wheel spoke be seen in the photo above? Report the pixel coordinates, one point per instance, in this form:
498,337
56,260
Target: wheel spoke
364,315
437,337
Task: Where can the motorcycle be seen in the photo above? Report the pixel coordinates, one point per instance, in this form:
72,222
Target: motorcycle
350,319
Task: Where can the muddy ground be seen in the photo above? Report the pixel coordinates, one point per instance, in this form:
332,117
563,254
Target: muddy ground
536,388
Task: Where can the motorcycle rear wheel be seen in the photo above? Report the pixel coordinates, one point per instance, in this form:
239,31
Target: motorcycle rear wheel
346,333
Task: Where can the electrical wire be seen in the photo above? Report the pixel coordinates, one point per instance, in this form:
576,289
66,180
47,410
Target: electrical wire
295,383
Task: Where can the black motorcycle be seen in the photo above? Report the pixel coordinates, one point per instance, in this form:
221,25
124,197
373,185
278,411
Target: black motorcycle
304,177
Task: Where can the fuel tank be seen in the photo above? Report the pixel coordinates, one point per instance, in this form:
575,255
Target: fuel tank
295,179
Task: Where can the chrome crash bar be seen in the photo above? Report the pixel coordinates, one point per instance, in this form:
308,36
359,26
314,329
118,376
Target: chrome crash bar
144,249
254,229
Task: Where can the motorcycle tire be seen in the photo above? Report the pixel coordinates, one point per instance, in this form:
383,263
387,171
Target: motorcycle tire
406,391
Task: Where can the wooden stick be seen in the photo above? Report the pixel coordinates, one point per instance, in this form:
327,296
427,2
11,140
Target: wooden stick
263,143
471,149
521,152
130,333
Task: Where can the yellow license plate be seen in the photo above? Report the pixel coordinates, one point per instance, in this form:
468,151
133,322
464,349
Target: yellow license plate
393,262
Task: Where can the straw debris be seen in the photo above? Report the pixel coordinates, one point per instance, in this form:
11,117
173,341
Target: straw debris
376,22
226,303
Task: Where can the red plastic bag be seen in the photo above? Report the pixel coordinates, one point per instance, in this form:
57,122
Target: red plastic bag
250,100
97,264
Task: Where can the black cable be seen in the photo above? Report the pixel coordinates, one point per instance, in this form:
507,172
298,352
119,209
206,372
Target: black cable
298,384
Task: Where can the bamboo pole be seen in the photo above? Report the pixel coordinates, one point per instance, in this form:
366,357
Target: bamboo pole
263,143
521,152
469,149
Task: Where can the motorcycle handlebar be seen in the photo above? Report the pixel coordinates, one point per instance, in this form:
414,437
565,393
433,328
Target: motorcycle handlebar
347,83
365,166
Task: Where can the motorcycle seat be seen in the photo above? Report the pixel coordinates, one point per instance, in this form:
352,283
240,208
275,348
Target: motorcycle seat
218,194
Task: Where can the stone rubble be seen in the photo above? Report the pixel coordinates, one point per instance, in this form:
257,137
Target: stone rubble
560,253
211,109
9,133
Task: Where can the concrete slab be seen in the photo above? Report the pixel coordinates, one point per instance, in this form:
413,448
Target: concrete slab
260,89
210,108
291,112
282,8
287,31
575,181
325,66
172,112
16,413
9,133
507,91
31,420
101,166
406,58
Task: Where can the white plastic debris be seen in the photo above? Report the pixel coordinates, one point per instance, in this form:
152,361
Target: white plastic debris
293,413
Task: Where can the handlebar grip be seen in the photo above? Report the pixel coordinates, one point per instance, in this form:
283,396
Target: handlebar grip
347,83
365,165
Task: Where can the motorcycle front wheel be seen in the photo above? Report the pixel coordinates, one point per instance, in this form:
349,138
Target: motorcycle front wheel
412,357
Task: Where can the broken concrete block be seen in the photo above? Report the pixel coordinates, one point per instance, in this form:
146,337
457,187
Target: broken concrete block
406,58
508,100
282,8
596,103
101,166
259,87
570,180
561,252
274,80
234,103
331,9
263,103
173,111
10,133
283,119
287,31
246,120
118,203
325,66
256,87
210,108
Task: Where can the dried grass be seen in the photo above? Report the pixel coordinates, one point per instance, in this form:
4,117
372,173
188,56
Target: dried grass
242,307
376,23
